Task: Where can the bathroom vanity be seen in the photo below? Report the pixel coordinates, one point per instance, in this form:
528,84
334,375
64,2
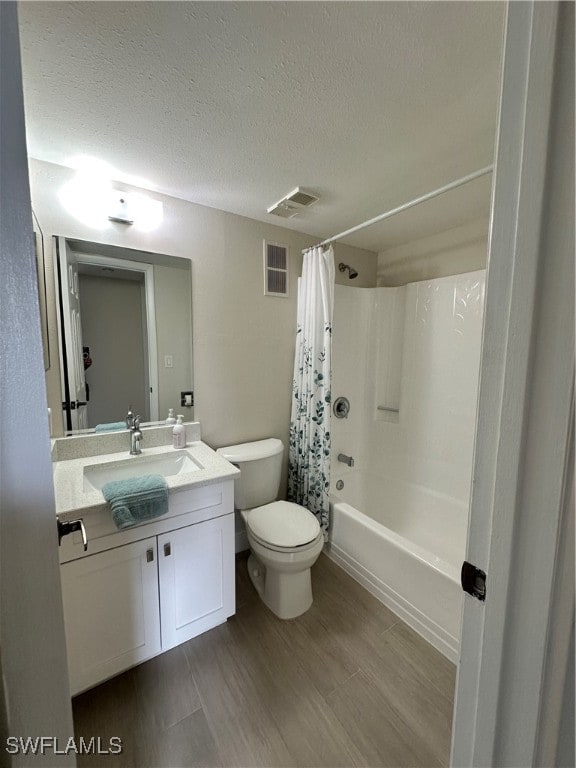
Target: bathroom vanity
137,592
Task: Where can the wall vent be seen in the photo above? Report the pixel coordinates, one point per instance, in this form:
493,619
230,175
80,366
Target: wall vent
275,269
292,203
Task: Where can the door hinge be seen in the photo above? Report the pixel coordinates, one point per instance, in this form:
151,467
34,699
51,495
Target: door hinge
473,580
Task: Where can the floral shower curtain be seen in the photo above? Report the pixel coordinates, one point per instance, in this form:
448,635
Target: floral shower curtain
309,456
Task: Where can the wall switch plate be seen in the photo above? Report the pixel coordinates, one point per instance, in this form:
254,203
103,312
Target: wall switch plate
168,361
187,399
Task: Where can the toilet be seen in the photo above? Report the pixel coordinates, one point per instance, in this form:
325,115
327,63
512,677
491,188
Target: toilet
285,538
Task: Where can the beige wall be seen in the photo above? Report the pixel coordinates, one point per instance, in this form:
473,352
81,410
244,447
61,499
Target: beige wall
174,310
243,341
452,252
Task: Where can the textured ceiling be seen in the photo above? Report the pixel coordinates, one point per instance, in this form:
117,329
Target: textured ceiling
232,105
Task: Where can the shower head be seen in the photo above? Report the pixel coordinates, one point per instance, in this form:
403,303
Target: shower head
352,273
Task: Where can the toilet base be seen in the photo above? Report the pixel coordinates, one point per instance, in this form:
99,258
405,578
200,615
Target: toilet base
256,572
287,594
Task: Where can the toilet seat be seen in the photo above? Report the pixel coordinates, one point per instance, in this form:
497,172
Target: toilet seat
303,548
282,526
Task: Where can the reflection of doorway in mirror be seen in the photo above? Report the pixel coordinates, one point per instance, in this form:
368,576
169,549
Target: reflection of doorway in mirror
114,328
70,336
166,320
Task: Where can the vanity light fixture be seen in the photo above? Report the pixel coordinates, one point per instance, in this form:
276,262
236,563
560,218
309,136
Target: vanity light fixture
119,211
135,208
91,199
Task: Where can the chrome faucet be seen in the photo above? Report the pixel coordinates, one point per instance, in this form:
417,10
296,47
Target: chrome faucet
135,436
346,459
129,418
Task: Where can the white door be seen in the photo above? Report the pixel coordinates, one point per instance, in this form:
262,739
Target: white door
72,364
111,612
34,695
521,475
196,573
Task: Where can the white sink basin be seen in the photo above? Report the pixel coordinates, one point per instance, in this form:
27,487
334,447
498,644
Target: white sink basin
165,464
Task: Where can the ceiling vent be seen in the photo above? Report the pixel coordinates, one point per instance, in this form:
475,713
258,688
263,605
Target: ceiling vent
293,203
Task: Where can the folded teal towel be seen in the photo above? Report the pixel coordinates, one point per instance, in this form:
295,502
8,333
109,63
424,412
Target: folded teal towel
114,426
137,499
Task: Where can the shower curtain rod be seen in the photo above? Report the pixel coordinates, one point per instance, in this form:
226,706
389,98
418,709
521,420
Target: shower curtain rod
406,206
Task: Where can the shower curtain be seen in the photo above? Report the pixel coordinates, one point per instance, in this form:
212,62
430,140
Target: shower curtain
309,455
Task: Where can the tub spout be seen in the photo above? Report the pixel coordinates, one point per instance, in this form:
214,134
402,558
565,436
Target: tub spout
346,459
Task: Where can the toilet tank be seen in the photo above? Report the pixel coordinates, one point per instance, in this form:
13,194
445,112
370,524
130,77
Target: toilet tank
260,465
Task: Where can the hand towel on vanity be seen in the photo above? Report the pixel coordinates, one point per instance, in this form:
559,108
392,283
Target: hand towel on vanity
113,426
136,500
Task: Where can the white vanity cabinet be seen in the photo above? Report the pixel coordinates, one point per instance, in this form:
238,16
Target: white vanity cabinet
149,588
111,612
196,571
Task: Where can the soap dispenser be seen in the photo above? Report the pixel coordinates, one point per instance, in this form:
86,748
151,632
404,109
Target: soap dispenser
179,434
171,418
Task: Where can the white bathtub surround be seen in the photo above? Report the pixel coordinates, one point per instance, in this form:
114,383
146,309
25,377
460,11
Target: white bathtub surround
408,360
309,457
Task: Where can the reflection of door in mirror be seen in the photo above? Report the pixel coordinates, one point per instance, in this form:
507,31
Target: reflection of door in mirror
70,334
115,338
133,346
108,327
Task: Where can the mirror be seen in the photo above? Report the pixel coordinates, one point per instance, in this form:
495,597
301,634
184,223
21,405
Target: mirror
125,334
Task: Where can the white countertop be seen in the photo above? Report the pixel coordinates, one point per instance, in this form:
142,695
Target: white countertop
72,497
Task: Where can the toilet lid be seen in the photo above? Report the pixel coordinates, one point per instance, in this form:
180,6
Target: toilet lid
283,524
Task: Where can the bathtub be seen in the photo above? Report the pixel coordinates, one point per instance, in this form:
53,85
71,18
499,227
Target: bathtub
406,547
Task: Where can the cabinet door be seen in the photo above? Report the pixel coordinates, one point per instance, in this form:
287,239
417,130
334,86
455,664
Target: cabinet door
197,581
111,612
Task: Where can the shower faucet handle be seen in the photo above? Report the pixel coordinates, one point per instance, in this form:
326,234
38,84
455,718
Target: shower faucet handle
341,407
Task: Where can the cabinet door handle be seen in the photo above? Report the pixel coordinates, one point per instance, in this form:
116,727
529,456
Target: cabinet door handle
150,555
167,549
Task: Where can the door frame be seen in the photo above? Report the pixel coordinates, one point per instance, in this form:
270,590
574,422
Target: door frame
521,475
152,353
70,376
148,271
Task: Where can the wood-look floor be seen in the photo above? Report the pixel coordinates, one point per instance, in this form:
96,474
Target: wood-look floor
346,684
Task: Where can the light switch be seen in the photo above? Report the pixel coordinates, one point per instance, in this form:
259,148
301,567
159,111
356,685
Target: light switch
168,363
187,399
